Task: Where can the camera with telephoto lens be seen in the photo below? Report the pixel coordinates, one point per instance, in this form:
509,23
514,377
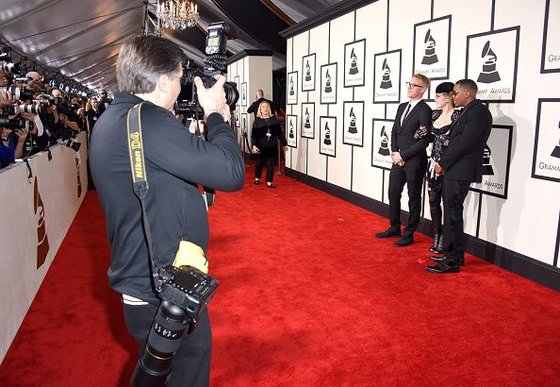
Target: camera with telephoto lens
214,64
185,291
23,108
20,93
11,123
9,67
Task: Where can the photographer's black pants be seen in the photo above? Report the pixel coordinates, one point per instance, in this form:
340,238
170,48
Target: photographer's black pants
191,363
268,158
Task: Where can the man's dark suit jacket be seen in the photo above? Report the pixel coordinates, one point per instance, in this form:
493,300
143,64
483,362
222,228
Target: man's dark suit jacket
463,158
412,150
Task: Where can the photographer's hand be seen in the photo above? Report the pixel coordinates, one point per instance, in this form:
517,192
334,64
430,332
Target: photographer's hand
5,98
212,100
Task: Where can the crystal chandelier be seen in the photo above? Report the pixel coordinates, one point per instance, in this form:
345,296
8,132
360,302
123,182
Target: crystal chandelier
177,14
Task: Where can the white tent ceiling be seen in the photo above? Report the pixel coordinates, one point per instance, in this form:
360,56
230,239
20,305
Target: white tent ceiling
79,40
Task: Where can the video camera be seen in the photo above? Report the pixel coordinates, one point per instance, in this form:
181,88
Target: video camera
214,64
185,291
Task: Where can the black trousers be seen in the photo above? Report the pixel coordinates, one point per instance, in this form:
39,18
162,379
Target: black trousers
454,241
413,177
435,197
191,363
268,158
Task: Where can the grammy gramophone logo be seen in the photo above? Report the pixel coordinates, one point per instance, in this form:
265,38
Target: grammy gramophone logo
291,86
307,123
307,71
486,161
42,238
430,56
291,133
328,87
79,181
327,140
386,78
384,147
244,124
489,74
556,150
353,63
352,127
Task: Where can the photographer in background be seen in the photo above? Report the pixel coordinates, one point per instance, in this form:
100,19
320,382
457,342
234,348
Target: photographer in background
149,70
11,145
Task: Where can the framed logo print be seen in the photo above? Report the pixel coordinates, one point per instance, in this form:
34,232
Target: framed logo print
381,144
387,77
353,123
495,162
244,94
291,130
546,153
492,63
328,83
308,120
327,137
431,48
291,88
308,73
550,61
354,63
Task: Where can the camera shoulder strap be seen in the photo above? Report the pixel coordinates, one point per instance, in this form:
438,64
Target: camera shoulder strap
138,169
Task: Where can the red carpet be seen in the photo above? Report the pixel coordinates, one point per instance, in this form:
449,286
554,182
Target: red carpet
307,297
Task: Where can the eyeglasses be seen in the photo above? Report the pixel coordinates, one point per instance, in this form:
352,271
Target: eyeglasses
410,85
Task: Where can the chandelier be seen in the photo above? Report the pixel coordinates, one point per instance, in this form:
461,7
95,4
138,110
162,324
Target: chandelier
177,14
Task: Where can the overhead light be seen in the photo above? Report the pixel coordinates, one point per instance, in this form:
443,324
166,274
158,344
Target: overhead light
177,14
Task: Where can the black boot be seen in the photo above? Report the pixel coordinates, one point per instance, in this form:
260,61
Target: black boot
437,238
439,247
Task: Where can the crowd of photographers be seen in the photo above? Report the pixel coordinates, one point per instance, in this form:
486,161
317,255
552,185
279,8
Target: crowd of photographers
35,115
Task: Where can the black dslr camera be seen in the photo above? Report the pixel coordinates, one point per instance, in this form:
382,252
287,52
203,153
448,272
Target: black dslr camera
214,64
185,291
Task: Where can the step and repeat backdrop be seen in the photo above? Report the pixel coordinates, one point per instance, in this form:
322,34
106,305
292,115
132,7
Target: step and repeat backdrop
346,77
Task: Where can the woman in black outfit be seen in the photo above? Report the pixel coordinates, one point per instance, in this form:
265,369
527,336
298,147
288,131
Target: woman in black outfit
442,118
265,136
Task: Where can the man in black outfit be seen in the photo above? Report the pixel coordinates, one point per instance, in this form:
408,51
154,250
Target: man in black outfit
409,138
461,165
149,70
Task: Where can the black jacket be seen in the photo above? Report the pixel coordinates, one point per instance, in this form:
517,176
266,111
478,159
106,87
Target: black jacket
266,133
463,158
413,136
176,162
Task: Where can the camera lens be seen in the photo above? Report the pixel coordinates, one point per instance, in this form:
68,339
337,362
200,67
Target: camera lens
232,95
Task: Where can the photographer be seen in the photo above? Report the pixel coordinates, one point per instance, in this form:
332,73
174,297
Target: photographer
10,148
149,70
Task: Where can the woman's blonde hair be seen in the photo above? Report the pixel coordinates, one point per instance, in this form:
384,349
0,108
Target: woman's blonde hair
259,114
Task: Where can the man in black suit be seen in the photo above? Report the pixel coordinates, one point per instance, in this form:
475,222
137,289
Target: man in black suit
409,138
461,165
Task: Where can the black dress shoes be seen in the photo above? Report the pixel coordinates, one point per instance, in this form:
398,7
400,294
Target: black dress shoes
441,259
388,234
405,240
443,268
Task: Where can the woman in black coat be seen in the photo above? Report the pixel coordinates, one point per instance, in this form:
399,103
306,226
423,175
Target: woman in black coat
264,137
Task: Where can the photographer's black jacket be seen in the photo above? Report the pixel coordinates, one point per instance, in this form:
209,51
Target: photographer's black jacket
176,162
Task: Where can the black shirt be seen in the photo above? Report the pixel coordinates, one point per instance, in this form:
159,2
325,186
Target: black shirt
176,162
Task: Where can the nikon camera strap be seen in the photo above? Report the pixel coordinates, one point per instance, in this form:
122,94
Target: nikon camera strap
138,169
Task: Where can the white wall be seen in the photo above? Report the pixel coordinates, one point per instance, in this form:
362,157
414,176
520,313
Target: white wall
24,259
251,72
518,206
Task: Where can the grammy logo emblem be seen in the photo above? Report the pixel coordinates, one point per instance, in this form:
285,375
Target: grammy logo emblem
328,88
327,140
353,63
42,238
384,147
430,56
386,79
489,74
352,128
